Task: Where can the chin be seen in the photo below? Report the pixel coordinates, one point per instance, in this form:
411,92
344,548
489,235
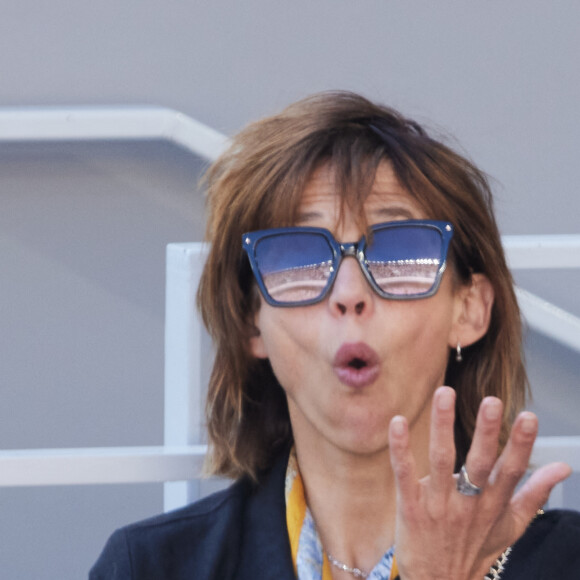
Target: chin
365,443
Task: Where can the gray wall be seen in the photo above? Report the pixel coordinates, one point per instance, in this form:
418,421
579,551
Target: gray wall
83,227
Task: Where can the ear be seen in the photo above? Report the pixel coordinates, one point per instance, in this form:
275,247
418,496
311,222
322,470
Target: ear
257,344
472,312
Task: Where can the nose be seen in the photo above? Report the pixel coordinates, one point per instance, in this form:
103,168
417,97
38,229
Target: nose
351,292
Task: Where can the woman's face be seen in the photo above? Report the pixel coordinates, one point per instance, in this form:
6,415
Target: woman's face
405,344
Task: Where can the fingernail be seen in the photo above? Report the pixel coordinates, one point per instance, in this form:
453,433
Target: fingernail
492,410
445,400
529,423
398,426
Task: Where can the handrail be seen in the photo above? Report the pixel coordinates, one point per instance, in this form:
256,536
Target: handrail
107,465
546,252
550,320
539,252
100,465
26,124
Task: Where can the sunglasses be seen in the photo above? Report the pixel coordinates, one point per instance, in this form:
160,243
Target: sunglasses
296,266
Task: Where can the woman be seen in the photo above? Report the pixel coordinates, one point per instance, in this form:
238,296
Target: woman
356,267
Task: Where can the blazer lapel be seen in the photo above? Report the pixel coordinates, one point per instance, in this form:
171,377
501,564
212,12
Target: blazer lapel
265,552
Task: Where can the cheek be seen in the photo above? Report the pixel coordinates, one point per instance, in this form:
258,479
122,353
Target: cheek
431,353
432,331
419,338
288,339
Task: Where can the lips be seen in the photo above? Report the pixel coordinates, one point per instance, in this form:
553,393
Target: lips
356,364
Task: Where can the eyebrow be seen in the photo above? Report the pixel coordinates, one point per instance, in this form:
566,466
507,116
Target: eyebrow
308,216
390,213
394,212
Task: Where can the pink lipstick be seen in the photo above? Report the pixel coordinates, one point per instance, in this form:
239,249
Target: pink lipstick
356,364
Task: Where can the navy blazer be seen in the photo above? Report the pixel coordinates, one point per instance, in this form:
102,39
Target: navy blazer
241,534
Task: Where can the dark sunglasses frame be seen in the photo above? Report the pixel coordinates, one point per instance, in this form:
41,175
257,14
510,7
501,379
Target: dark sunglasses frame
339,251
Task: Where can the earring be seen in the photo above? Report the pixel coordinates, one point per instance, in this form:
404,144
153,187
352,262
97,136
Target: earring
458,356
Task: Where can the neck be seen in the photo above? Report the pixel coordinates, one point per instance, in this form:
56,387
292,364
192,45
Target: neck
353,504
352,497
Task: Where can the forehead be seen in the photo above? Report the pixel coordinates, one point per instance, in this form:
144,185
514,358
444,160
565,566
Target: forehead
387,199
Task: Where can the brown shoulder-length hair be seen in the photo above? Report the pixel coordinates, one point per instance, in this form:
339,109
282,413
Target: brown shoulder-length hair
258,182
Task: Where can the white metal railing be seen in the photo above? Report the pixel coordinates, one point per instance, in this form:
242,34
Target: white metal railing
179,461
102,465
36,467
55,124
542,253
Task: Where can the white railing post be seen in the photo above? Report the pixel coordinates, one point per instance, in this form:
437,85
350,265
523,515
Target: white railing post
184,380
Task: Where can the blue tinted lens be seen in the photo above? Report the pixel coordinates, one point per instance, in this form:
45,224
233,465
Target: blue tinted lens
295,267
404,260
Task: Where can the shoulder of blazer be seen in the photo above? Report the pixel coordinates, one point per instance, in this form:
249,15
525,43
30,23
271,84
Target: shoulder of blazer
188,542
222,536
218,502
549,548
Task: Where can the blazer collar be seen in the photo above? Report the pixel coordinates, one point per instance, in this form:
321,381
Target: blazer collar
265,545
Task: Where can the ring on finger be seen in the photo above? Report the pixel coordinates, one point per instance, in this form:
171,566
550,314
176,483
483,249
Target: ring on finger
464,485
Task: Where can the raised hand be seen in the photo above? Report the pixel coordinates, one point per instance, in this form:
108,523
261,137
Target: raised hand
442,533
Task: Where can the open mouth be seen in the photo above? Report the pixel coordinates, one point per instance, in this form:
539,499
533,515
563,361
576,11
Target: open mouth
356,364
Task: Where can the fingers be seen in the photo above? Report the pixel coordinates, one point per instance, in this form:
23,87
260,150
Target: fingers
483,451
441,443
512,465
441,448
498,476
402,460
536,491
515,458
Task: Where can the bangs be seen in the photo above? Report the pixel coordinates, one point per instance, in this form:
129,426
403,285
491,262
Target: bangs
352,157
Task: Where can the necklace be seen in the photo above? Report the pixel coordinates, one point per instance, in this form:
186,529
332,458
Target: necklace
356,572
494,573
